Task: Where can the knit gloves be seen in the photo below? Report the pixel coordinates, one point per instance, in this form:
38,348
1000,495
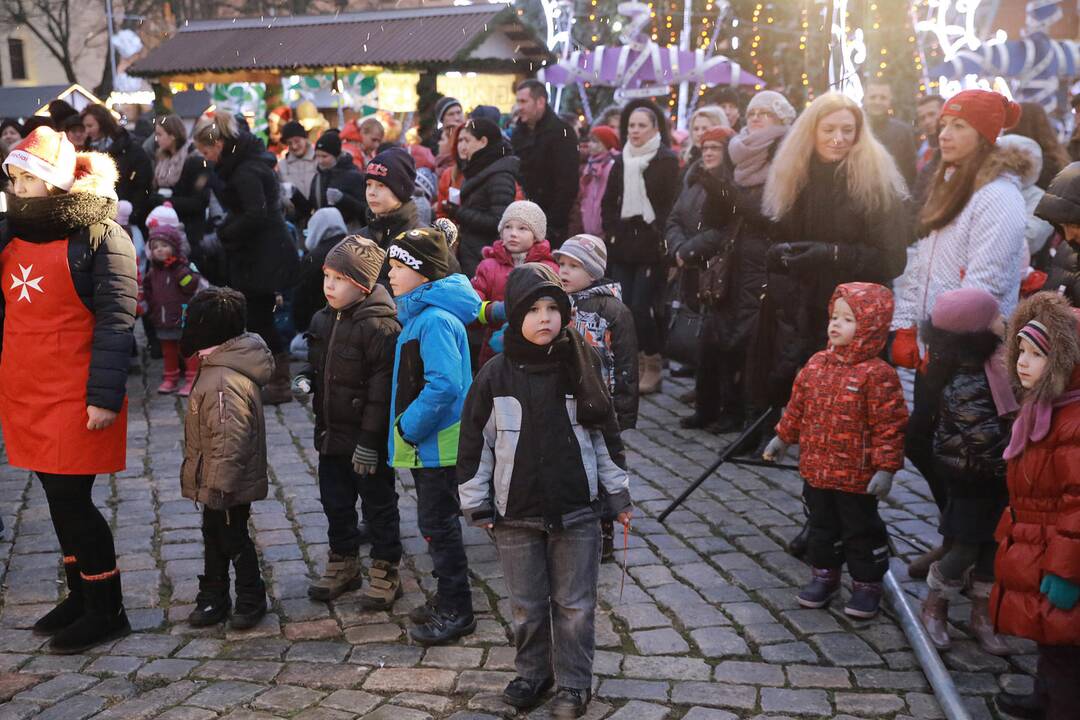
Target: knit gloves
775,450
1062,594
802,258
905,348
364,460
880,484
301,385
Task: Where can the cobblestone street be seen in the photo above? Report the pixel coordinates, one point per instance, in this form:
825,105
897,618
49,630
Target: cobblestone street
707,627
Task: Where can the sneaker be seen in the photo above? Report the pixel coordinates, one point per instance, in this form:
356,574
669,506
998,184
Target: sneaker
422,613
523,693
341,574
570,703
384,586
820,590
865,600
211,604
443,627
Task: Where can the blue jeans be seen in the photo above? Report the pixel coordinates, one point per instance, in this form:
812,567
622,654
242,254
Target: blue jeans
339,488
552,576
437,513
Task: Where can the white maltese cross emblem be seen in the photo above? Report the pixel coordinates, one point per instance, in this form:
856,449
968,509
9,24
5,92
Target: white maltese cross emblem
24,284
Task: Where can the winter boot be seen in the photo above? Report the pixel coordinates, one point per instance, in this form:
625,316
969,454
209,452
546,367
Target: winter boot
170,382
865,600
981,625
570,703
523,693
102,621
918,568
250,589
384,586
342,574
935,608
823,585
651,374
212,603
607,541
443,627
190,372
70,608
689,397
279,390
696,421
420,614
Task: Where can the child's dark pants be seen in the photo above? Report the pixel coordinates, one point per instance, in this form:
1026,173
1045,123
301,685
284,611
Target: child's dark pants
225,539
339,488
846,527
438,510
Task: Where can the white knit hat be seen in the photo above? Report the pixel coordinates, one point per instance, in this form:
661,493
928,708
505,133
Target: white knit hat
163,214
45,154
527,213
775,103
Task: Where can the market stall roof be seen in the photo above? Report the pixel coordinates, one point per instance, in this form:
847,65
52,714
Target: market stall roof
22,102
458,35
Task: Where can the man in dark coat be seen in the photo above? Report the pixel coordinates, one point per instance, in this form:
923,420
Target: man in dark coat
548,150
337,182
897,137
1060,206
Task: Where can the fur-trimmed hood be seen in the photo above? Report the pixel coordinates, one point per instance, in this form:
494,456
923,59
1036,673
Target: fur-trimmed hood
1063,326
1005,160
1031,149
95,174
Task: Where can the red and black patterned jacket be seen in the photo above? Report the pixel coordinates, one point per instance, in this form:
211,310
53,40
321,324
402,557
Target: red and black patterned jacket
847,410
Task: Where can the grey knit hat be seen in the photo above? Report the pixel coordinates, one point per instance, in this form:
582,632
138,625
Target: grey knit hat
358,259
775,103
588,250
527,213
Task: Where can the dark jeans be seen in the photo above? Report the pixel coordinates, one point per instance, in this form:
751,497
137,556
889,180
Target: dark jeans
438,510
551,576
918,443
642,288
225,539
716,391
339,489
260,320
80,528
846,527
961,556
1058,681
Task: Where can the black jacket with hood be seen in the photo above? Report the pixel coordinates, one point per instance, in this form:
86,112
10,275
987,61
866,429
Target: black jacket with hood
136,174
490,185
346,177
384,228
1060,206
608,325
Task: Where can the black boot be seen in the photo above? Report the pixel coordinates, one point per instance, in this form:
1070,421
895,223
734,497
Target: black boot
212,603
70,608
443,627
104,618
570,703
250,589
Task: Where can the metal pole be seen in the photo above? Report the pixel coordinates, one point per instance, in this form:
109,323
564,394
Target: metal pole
112,57
925,652
684,44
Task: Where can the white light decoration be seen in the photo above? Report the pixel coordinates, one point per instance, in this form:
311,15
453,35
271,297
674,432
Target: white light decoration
846,54
955,36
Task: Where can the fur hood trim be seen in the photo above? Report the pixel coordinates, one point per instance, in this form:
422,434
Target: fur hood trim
1063,326
95,174
1004,160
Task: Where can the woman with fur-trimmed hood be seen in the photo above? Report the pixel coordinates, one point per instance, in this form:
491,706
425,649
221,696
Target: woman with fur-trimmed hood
971,232
69,295
1037,568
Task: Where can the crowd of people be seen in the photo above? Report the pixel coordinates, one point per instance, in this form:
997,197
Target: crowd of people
452,299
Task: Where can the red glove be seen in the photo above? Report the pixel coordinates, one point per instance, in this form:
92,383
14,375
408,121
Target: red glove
905,348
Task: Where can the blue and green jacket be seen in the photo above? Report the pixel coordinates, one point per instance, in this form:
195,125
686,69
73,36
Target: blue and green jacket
432,372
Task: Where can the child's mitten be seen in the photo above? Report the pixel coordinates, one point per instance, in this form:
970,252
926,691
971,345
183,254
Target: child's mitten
1062,594
880,484
905,348
364,460
775,450
496,342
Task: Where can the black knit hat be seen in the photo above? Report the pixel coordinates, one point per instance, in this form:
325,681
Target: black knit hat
424,250
329,142
358,259
292,129
442,106
213,316
394,168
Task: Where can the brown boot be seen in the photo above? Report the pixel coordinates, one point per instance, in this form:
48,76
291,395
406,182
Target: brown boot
342,574
384,586
279,390
981,626
935,608
918,568
651,374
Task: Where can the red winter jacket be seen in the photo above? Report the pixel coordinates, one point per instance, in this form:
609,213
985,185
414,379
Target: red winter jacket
491,275
847,410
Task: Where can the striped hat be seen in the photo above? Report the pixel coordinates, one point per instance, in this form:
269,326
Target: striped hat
1036,334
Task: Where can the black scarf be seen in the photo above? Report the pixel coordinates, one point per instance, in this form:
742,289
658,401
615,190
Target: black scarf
484,157
56,216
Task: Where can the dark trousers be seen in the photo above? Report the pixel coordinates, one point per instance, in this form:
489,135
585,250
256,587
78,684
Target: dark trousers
437,510
642,287
846,527
260,320
225,540
551,576
961,556
918,443
340,487
715,389
80,528
1057,680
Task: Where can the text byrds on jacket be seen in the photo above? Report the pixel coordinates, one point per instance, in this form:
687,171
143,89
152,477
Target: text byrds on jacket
847,410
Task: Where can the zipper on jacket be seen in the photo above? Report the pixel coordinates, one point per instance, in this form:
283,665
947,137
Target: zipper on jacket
327,355
221,406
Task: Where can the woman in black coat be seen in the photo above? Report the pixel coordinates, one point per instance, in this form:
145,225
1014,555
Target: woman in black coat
260,256
104,134
641,191
182,178
490,185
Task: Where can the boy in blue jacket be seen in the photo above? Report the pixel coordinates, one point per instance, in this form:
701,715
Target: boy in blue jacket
432,375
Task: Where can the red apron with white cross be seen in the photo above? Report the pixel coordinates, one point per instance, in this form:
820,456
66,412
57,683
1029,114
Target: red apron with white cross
45,365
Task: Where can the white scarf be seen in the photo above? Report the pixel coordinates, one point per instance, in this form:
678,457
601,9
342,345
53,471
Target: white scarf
635,199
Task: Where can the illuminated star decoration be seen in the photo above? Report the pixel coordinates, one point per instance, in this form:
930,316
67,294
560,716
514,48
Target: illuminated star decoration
25,282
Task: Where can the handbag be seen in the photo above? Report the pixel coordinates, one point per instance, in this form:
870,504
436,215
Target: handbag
716,279
684,334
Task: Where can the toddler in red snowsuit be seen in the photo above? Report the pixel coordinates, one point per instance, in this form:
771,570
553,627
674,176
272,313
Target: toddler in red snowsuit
848,416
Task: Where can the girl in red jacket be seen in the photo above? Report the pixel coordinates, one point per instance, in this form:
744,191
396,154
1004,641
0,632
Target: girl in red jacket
848,416
1037,568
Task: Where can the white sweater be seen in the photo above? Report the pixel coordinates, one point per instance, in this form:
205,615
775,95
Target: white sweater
982,247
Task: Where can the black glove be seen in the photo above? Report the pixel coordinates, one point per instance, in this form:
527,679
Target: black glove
806,258
774,258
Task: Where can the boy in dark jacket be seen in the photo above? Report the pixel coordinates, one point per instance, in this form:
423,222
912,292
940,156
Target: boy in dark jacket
225,452
389,182
848,416
351,354
432,374
540,454
168,286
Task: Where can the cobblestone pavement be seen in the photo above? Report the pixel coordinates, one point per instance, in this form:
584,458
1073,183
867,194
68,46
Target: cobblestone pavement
707,628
